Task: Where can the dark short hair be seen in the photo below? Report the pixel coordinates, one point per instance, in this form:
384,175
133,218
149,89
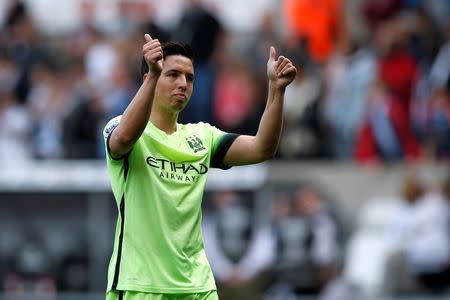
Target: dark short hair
170,48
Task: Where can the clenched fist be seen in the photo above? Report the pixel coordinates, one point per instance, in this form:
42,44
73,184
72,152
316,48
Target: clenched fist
280,71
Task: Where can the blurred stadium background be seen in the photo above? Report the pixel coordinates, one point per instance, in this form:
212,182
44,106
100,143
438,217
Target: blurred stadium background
354,206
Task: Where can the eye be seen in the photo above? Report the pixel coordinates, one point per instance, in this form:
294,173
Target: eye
190,78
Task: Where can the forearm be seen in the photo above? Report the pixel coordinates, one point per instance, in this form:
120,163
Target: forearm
135,118
269,131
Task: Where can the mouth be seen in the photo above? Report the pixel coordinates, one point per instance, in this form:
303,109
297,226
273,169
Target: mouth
180,96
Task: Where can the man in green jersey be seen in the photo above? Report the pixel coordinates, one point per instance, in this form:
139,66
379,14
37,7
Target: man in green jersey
158,171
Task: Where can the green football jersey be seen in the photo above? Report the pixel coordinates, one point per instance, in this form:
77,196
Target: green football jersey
159,187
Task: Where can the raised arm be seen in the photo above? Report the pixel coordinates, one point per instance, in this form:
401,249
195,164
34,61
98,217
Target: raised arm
136,116
254,149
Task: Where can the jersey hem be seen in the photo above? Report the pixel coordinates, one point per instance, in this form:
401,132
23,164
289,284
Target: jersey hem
161,290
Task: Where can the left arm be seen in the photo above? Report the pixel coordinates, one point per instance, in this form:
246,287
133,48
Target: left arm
254,149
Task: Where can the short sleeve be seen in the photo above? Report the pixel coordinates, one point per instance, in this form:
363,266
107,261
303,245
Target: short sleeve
221,142
107,132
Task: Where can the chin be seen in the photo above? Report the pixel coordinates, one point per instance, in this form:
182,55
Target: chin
179,105
177,108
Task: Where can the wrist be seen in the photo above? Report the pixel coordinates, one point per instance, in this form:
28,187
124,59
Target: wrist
274,86
151,76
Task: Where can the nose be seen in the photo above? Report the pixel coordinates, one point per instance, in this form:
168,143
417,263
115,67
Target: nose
182,82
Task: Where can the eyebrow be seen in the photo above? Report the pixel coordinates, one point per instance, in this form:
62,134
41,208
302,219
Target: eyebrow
178,71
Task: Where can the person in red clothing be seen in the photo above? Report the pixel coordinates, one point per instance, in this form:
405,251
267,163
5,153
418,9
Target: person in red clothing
385,133
396,66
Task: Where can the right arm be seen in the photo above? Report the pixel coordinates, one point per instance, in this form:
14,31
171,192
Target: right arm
136,116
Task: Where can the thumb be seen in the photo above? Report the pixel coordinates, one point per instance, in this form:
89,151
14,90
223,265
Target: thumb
273,53
147,37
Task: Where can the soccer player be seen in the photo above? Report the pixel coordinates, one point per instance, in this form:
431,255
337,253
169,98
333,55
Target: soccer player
158,171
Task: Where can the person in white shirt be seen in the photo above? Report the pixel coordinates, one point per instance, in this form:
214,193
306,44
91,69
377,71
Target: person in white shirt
419,242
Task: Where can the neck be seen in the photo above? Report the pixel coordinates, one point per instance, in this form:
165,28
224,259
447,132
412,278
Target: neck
166,121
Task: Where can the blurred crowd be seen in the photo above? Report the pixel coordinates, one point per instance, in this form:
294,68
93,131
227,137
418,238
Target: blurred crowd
400,247
301,247
296,252
373,87
373,83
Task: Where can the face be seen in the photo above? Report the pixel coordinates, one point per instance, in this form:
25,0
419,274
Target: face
308,202
174,87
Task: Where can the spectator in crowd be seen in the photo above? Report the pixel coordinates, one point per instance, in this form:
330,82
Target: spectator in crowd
430,114
385,134
151,27
81,126
324,108
100,59
31,271
201,29
9,72
419,242
431,121
138,18
348,76
304,129
325,245
15,123
48,100
397,69
438,10
240,252
440,71
72,270
376,11
317,24
15,130
421,36
308,249
25,46
238,98
264,37
117,98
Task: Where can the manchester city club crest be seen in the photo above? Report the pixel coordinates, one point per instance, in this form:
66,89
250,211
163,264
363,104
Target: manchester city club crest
195,143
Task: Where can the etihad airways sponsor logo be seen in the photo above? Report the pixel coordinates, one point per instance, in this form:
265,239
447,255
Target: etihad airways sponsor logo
184,172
